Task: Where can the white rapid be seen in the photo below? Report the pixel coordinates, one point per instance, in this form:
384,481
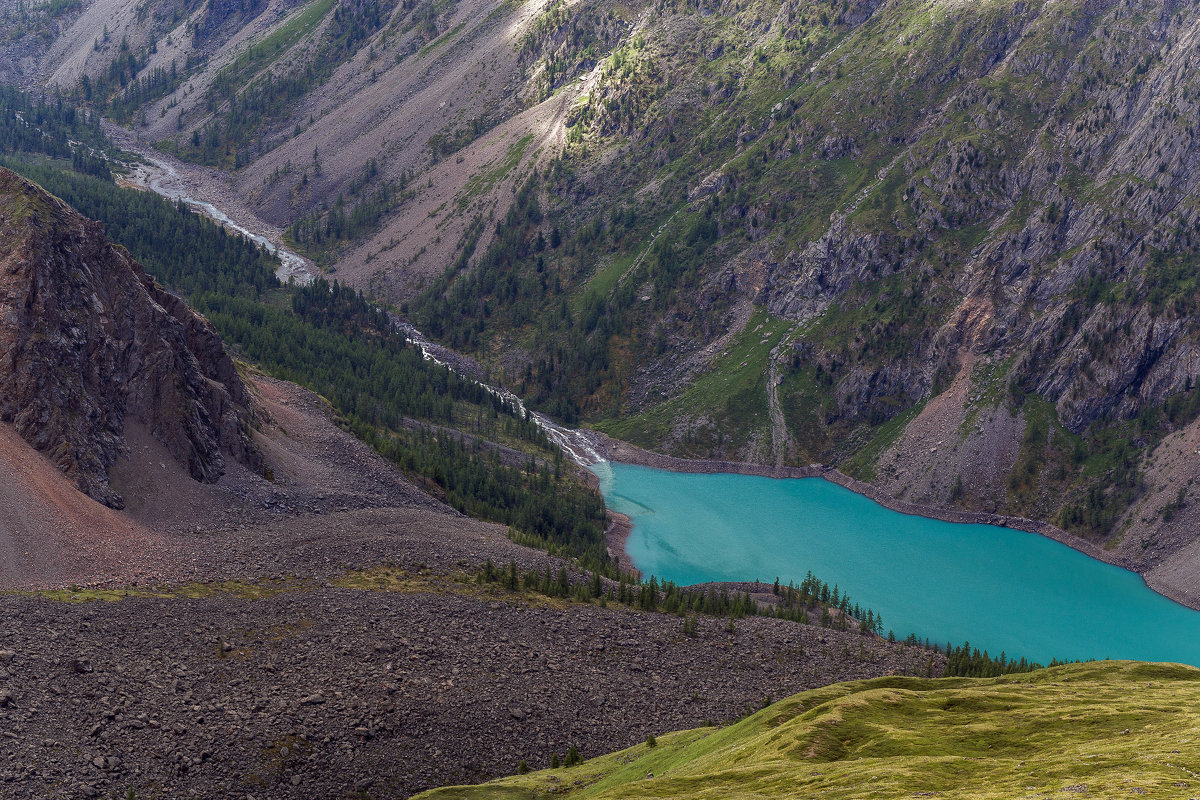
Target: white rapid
574,443
161,177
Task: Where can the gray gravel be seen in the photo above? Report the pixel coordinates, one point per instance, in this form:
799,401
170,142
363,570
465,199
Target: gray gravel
322,691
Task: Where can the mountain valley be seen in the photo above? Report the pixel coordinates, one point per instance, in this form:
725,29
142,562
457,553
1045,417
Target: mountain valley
975,177
259,543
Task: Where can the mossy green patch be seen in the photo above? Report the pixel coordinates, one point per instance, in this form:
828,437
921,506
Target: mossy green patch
611,273
19,203
1106,729
441,40
805,401
233,589
262,54
483,181
733,390
862,464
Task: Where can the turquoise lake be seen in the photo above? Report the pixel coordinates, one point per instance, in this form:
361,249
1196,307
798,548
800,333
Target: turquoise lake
1004,590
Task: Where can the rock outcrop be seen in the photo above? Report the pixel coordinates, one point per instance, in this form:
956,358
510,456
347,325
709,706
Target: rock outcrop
89,341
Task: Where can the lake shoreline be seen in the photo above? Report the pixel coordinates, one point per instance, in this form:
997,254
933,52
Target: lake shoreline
620,526
624,452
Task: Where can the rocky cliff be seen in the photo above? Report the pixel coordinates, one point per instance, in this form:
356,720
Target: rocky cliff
89,342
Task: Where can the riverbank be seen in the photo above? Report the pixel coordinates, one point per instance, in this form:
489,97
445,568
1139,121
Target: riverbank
207,191
617,450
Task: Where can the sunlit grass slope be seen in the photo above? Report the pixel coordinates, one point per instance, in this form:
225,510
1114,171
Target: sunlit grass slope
1107,729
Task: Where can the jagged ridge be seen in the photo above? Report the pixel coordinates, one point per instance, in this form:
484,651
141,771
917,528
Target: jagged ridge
89,342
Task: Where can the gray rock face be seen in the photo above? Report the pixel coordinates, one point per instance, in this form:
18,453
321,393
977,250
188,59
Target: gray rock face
220,13
1078,231
89,341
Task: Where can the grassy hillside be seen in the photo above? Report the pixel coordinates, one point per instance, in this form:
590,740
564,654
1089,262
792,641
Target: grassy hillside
1104,729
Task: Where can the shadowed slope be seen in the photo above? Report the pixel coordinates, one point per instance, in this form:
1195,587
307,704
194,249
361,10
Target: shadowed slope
89,341
50,533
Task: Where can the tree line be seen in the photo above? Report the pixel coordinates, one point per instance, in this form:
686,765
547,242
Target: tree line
332,340
49,127
794,601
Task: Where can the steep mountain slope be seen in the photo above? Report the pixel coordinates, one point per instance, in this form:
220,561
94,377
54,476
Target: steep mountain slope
477,449
89,344
972,221
1108,729
947,247
329,111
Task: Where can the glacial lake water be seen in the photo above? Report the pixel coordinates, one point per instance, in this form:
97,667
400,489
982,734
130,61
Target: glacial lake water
1002,589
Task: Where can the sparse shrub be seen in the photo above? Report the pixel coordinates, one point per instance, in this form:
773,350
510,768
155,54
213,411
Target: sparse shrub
957,491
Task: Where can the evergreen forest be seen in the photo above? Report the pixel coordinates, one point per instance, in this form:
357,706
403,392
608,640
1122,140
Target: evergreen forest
477,451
